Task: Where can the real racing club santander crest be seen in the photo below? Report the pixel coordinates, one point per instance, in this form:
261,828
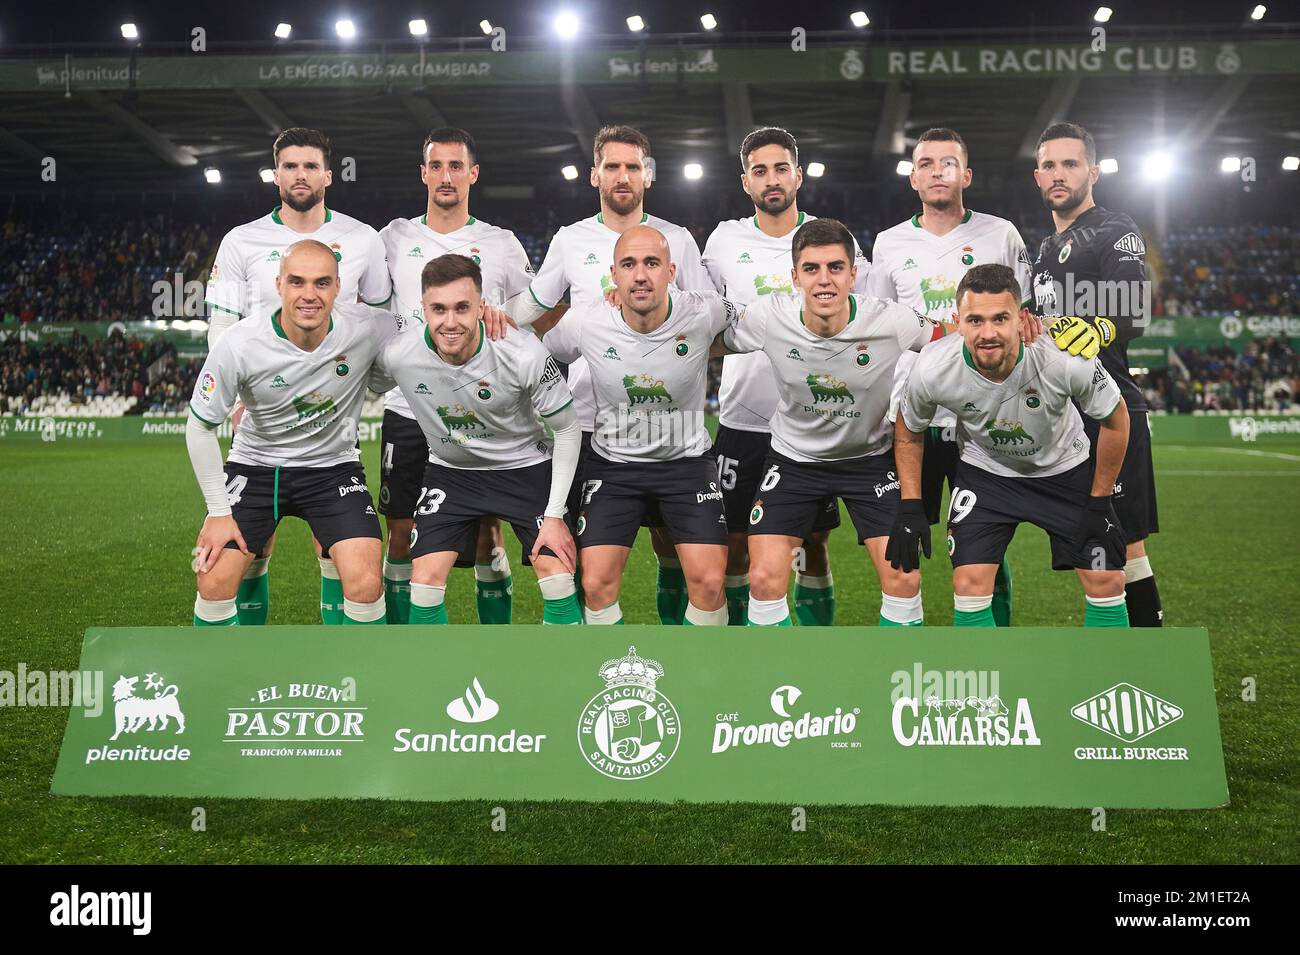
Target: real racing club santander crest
629,730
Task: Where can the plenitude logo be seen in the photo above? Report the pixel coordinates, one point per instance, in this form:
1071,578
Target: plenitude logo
474,706
141,712
300,719
957,708
730,732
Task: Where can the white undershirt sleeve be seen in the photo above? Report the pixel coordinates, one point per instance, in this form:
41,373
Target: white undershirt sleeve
564,462
524,309
217,325
205,458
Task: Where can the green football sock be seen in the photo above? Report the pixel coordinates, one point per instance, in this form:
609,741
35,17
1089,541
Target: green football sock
253,596
670,597
737,589
1106,612
564,611
232,622
215,613
427,604
1002,594
972,611
397,590
814,601
493,593
331,593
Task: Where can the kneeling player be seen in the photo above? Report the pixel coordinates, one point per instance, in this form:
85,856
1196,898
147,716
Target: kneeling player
833,354
477,402
649,367
301,373
1024,454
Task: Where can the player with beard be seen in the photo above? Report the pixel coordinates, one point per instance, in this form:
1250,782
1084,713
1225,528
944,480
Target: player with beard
448,168
748,259
242,283
578,262
919,263
1090,287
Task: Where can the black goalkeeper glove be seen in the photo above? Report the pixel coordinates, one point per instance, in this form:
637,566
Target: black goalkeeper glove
910,536
1078,336
1100,527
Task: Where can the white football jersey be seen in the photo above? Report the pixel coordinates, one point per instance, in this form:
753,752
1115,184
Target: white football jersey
482,414
1026,426
920,269
300,408
834,392
578,262
242,280
746,263
410,244
649,389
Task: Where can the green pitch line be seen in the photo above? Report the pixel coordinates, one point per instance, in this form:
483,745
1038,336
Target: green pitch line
101,535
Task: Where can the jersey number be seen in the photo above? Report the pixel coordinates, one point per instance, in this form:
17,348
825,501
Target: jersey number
961,504
727,472
430,500
235,489
386,462
588,489
771,478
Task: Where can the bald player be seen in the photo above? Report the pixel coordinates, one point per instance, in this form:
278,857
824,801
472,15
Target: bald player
301,371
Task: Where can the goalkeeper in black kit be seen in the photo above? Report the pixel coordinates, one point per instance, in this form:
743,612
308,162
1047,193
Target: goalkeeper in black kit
1090,289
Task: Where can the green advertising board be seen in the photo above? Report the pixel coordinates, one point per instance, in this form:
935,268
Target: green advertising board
1020,717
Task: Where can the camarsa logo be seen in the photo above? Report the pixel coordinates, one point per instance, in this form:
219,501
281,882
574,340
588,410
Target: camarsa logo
957,708
629,730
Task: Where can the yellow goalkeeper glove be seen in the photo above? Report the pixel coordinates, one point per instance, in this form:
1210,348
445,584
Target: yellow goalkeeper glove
1078,336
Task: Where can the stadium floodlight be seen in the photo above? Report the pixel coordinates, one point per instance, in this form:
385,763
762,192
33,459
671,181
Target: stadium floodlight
282,31
129,32
1108,166
816,169
212,174
693,170
485,26
1258,12
859,18
1291,163
708,21
569,172
566,25
346,29
904,167
1230,164
1103,14
1157,166
266,174
635,23
418,28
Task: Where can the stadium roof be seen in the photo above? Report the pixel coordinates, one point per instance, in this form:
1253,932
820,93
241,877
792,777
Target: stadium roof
153,115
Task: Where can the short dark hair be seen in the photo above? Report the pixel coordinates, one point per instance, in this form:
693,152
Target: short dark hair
942,134
628,135
767,136
989,279
451,134
448,268
823,232
1069,131
302,136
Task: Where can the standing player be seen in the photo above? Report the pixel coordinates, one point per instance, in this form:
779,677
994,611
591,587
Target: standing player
579,261
243,283
747,259
649,369
478,403
1024,455
300,371
833,354
919,263
1091,272
448,169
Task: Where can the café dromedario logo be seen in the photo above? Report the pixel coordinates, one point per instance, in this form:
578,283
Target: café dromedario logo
629,730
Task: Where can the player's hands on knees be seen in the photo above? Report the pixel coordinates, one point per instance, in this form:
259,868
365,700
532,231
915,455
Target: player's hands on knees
213,537
496,322
910,536
1100,526
554,533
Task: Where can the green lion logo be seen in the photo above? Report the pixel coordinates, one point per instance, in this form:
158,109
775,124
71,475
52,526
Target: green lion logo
645,388
829,388
1010,433
937,295
313,405
459,418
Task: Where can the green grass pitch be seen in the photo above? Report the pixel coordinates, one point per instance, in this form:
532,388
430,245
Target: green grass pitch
99,534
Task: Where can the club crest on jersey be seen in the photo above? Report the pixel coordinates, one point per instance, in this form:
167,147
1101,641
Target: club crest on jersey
337,250
474,254
756,513
682,347
1065,251
484,391
952,545
1031,398
968,256
828,388
459,418
863,358
341,368
645,389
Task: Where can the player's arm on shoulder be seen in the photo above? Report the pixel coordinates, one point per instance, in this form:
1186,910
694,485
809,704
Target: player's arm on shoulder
376,285
564,338
915,330
748,333
546,289
381,375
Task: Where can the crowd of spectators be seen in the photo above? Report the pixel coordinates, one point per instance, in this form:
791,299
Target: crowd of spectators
1240,270
80,368
1263,377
